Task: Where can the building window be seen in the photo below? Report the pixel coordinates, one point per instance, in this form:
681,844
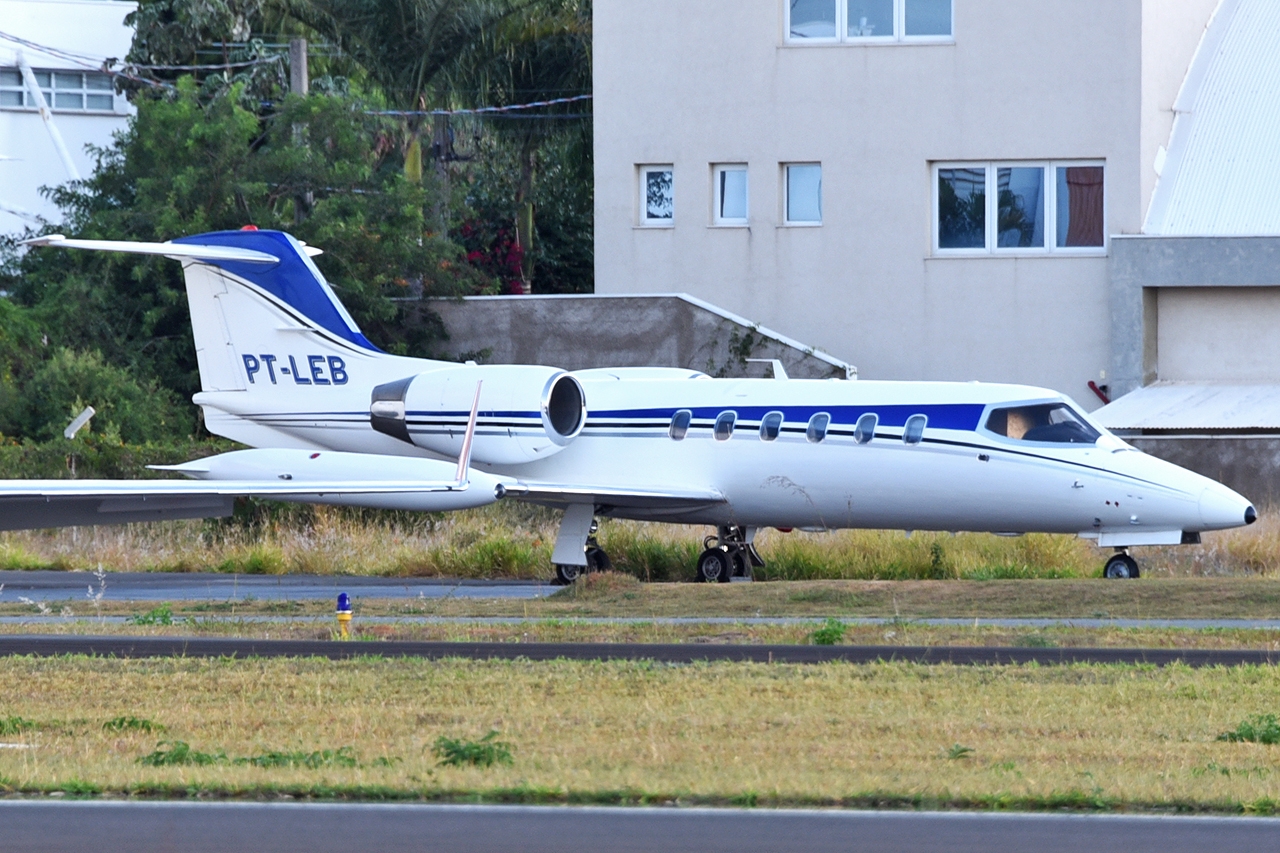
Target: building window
731,194
868,21
657,198
802,185
62,90
1019,208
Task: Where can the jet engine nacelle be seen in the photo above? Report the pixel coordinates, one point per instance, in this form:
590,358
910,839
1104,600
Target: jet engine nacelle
526,412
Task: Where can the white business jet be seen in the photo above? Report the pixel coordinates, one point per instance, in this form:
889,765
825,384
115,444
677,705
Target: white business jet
333,419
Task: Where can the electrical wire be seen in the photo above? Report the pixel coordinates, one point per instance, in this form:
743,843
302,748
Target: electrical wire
482,110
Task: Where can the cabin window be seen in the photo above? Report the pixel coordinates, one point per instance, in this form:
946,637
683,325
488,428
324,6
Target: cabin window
724,425
914,432
771,426
817,430
680,425
1055,422
865,430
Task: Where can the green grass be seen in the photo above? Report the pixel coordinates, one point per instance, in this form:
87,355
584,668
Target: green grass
1260,728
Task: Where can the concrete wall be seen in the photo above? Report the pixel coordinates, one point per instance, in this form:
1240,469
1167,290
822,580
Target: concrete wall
714,82
579,332
1250,465
1222,329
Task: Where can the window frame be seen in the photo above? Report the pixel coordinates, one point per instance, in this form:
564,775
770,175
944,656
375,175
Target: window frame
52,91
717,221
731,417
678,432
842,36
785,217
860,434
781,418
920,418
992,210
810,431
643,220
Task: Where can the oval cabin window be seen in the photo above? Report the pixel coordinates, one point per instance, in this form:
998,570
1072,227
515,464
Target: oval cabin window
817,430
724,425
680,425
866,428
914,432
771,426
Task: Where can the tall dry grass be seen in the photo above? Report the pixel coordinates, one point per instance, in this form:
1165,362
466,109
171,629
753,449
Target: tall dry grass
514,540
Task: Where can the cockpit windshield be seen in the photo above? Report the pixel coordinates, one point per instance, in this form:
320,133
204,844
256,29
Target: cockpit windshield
1042,422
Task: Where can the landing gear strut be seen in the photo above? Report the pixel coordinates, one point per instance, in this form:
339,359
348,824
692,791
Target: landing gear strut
579,524
1121,566
729,554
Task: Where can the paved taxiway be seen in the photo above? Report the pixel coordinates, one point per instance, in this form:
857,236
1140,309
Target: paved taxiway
144,827
151,647
209,586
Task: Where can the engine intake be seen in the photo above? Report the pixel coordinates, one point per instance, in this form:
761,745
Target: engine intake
526,413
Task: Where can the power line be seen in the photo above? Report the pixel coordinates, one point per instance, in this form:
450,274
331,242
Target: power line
482,110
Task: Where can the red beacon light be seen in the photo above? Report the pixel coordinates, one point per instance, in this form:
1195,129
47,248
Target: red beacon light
248,227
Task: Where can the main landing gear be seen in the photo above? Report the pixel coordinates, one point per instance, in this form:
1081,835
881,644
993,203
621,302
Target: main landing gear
729,554
577,552
1121,566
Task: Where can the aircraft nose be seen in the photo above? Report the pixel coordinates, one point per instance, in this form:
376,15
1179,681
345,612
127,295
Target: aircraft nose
1221,508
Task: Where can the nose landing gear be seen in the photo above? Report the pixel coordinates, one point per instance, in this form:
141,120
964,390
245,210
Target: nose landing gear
729,554
1121,566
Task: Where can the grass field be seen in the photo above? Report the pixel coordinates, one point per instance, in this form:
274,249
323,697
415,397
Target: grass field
513,540
1087,737
904,633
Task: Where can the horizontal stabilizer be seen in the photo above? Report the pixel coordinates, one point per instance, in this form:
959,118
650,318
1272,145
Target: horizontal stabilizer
168,250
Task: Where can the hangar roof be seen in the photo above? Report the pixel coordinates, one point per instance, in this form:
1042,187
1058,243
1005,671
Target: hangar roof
1221,176
1194,406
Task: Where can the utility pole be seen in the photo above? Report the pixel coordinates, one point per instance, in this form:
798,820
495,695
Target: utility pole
299,84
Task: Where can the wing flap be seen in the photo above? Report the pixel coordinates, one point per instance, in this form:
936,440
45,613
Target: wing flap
674,499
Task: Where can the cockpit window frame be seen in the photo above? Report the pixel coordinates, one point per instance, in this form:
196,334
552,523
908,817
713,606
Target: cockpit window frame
1040,401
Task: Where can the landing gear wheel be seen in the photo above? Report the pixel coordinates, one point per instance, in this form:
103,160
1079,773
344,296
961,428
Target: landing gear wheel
566,575
1121,567
598,560
714,566
740,563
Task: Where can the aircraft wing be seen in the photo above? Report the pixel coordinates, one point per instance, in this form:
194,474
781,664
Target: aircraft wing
657,499
36,504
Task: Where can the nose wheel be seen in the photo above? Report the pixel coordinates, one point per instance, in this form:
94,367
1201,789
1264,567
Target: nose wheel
1121,567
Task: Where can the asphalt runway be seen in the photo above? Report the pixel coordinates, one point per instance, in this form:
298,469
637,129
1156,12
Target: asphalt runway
176,827
209,586
150,647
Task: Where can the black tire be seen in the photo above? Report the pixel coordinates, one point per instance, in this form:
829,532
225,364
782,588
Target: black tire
714,566
1121,567
565,575
598,560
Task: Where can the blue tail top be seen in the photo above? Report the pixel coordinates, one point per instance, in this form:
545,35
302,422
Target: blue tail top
295,280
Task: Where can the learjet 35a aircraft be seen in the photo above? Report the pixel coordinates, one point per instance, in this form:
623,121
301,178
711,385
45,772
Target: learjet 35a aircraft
333,419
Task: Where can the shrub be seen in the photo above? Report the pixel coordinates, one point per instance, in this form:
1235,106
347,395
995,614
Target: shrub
831,633
476,753
162,615
131,724
1260,728
15,725
180,753
343,757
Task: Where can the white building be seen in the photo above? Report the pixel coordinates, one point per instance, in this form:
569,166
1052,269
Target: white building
928,189
64,44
